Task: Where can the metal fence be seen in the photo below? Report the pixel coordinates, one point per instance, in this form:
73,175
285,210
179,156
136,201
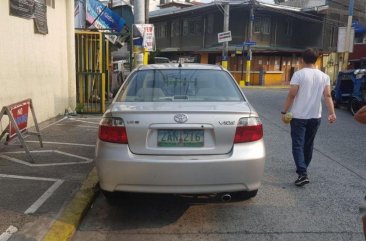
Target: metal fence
92,61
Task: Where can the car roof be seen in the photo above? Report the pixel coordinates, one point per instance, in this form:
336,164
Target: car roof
176,66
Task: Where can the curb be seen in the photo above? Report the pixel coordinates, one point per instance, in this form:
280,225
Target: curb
266,87
66,224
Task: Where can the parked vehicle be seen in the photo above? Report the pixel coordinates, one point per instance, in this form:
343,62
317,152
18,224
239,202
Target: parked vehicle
161,60
182,129
350,89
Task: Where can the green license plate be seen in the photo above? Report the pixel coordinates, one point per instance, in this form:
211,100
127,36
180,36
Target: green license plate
180,138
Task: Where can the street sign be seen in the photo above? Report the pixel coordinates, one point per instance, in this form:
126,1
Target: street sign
341,40
249,43
224,37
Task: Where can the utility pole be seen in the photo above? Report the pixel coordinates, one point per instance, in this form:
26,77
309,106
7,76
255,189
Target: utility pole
348,34
225,45
147,10
249,55
139,14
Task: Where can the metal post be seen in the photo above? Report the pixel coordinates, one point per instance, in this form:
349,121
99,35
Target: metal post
139,9
225,45
147,10
19,135
249,58
348,33
38,131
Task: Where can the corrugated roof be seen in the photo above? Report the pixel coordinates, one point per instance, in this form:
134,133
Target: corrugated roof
171,11
305,4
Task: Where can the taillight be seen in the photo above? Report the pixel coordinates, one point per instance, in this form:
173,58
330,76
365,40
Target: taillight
112,129
248,129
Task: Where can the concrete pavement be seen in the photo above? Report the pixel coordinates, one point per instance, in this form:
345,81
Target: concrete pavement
34,194
326,209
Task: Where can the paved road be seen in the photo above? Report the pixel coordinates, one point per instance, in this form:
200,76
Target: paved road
33,194
326,209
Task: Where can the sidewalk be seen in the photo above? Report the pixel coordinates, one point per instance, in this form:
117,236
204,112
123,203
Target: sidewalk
34,195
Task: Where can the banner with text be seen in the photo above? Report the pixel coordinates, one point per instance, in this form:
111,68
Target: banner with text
20,114
104,19
144,34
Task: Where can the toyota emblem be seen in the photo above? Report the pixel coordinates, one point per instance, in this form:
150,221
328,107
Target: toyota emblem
180,118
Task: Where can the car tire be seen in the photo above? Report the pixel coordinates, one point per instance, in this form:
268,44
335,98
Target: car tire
109,196
244,195
334,99
354,105
115,197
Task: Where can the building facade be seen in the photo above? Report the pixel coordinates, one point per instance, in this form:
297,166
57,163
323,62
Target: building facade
335,14
280,34
38,66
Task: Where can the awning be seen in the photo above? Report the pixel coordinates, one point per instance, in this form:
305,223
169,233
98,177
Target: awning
359,28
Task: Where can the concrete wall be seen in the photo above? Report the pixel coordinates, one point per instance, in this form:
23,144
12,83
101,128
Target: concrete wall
41,67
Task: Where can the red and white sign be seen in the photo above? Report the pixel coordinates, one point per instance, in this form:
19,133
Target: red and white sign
224,37
147,32
20,114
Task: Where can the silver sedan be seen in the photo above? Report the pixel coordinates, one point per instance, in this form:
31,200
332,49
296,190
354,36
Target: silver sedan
182,129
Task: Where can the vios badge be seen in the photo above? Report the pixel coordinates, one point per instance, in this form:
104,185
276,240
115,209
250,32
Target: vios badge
180,118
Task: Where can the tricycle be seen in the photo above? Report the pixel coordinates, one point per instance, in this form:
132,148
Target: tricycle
350,89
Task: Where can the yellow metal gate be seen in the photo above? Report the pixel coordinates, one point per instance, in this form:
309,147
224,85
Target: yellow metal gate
92,62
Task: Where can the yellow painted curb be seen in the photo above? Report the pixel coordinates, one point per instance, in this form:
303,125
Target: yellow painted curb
64,227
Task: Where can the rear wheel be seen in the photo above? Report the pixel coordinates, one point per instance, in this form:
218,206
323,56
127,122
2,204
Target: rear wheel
115,197
244,195
355,105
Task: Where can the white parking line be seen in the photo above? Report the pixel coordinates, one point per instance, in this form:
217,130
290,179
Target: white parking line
40,201
86,160
83,126
89,122
54,123
44,197
8,233
63,143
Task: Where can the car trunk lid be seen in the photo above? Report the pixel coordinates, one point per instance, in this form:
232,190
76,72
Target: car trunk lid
196,128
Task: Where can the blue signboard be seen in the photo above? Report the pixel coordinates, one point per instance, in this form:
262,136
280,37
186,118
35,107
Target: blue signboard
107,18
249,43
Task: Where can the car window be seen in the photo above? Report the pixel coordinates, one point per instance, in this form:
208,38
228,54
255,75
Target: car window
180,85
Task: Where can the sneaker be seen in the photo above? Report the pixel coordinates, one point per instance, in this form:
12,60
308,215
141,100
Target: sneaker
301,181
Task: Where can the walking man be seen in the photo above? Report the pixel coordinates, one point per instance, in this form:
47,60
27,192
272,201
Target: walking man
307,87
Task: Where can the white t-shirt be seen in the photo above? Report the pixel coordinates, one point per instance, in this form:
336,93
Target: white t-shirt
307,103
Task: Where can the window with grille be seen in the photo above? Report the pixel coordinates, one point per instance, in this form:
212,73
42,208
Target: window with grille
257,24
289,27
185,27
192,27
210,24
175,28
266,25
161,30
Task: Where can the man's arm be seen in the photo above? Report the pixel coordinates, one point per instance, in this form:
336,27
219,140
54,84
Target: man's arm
290,99
360,116
329,103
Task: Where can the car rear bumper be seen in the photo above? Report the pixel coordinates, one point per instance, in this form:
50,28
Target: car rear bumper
120,170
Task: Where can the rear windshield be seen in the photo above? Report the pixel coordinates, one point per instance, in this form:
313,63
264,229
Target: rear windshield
180,85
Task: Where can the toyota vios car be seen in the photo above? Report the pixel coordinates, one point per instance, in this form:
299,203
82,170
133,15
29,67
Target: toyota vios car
182,129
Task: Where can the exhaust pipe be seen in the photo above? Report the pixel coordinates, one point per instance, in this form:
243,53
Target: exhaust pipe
226,197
